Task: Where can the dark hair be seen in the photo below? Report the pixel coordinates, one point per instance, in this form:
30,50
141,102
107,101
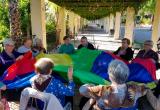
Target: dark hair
44,65
26,39
125,39
65,37
84,37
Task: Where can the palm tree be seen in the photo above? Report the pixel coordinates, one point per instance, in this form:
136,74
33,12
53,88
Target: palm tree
15,24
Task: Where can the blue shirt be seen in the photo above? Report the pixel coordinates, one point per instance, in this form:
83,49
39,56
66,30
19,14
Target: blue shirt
57,88
23,49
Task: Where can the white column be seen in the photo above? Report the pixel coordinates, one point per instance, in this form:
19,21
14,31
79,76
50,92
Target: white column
76,23
129,28
38,19
106,24
81,22
111,21
71,23
61,25
117,25
156,25
107,29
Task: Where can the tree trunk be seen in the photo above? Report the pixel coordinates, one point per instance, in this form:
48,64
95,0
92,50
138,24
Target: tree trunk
15,24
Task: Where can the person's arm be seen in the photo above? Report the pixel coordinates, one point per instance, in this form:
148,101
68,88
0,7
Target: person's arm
155,57
67,90
6,62
155,102
92,47
91,91
79,47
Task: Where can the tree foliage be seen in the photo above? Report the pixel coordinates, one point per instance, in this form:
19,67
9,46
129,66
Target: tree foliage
24,9
148,7
50,17
96,9
4,19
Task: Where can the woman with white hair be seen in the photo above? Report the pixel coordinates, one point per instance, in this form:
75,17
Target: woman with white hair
8,55
38,47
118,94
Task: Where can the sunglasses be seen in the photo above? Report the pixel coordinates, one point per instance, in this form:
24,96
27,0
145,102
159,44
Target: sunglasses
10,45
148,44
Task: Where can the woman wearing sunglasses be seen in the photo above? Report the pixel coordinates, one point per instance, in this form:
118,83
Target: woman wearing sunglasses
147,52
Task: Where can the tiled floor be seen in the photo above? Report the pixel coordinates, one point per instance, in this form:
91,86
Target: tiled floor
14,105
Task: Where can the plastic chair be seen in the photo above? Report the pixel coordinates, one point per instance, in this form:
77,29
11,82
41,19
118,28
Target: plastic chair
50,101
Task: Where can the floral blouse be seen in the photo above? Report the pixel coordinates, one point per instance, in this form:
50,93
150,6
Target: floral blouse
107,97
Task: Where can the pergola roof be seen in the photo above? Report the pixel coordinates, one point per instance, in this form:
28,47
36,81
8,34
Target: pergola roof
95,9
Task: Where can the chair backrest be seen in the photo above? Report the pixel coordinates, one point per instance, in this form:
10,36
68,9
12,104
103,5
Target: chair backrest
50,101
88,104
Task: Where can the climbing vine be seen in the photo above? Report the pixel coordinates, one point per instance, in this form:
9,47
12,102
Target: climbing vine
95,9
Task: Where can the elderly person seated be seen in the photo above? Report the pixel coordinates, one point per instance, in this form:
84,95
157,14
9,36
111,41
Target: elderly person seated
118,94
148,53
86,44
154,98
125,52
27,43
67,47
8,55
44,82
38,47
151,101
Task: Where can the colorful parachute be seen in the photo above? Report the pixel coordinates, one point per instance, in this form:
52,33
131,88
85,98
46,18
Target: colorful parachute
89,67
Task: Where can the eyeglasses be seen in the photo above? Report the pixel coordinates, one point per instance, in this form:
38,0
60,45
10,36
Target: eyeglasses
10,45
148,44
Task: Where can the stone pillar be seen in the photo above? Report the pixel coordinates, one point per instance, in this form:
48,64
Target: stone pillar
129,28
106,24
111,21
81,22
117,25
71,23
75,24
156,25
38,20
78,23
61,24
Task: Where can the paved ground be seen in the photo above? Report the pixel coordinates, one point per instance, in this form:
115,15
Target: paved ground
104,41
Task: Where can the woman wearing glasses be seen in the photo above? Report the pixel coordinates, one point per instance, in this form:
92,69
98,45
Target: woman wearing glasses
147,52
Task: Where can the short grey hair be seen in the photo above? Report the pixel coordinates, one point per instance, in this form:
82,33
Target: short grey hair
8,41
118,71
44,65
36,41
150,42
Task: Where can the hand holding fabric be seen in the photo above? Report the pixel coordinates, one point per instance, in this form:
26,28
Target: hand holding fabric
70,73
19,58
